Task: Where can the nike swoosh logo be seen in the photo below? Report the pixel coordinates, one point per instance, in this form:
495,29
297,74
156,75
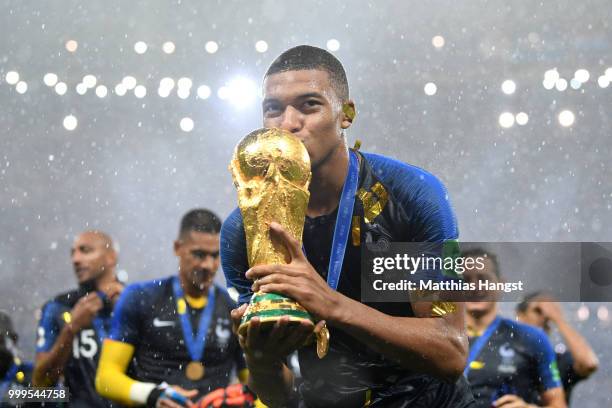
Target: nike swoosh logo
162,323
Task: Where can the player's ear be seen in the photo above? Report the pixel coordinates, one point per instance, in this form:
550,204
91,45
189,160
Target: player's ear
177,247
111,257
348,113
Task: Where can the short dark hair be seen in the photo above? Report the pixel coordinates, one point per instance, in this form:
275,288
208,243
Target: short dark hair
305,57
200,220
523,305
475,252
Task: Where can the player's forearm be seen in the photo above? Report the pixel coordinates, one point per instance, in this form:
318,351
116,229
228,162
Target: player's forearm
111,379
273,383
427,345
585,360
50,365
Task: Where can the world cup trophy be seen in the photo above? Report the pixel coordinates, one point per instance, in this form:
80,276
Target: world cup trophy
271,171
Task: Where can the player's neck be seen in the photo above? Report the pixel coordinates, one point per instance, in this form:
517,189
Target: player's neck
327,182
107,278
478,322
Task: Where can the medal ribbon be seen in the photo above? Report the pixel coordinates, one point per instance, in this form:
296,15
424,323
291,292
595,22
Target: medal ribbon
343,221
479,344
195,345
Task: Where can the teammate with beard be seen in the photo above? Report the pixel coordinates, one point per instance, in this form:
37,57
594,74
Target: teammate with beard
380,354
74,324
176,332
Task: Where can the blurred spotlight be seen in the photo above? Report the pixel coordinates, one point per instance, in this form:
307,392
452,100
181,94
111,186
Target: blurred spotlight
582,75
608,73
166,83
50,79
140,47
211,47
223,93
129,82
506,120
120,89
89,81
602,313
241,92
430,89
168,47
21,87
583,313
61,88
101,91
575,84
182,93
72,45
551,75
70,122
603,81
566,118
508,87
185,83
81,89
140,91
186,124
438,41
12,77
522,118
163,92
333,44
548,84
203,92
261,46
561,84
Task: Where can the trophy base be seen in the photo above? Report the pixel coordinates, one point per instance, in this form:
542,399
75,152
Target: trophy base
269,308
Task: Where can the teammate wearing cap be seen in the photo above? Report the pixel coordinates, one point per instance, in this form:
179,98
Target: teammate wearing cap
176,332
74,324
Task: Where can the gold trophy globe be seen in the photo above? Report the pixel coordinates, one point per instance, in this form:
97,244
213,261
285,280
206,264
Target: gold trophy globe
271,171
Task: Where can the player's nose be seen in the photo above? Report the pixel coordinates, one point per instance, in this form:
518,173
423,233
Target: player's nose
291,120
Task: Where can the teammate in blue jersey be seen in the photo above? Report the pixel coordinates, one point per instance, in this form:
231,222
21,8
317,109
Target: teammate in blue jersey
578,361
171,340
381,354
74,324
15,374
510,365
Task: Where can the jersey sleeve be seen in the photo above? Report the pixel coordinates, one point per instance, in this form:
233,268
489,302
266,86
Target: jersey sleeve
125,325
48,327
234,256
545,357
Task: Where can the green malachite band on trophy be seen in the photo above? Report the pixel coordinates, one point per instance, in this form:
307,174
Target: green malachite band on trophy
267,296
279,312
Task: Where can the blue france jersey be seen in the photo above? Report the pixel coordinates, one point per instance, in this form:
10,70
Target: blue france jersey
395,202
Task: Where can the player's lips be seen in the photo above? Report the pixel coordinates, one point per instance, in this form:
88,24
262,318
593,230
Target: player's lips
80,271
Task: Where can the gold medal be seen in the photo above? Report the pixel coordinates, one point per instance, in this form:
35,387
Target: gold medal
323,342
194,370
